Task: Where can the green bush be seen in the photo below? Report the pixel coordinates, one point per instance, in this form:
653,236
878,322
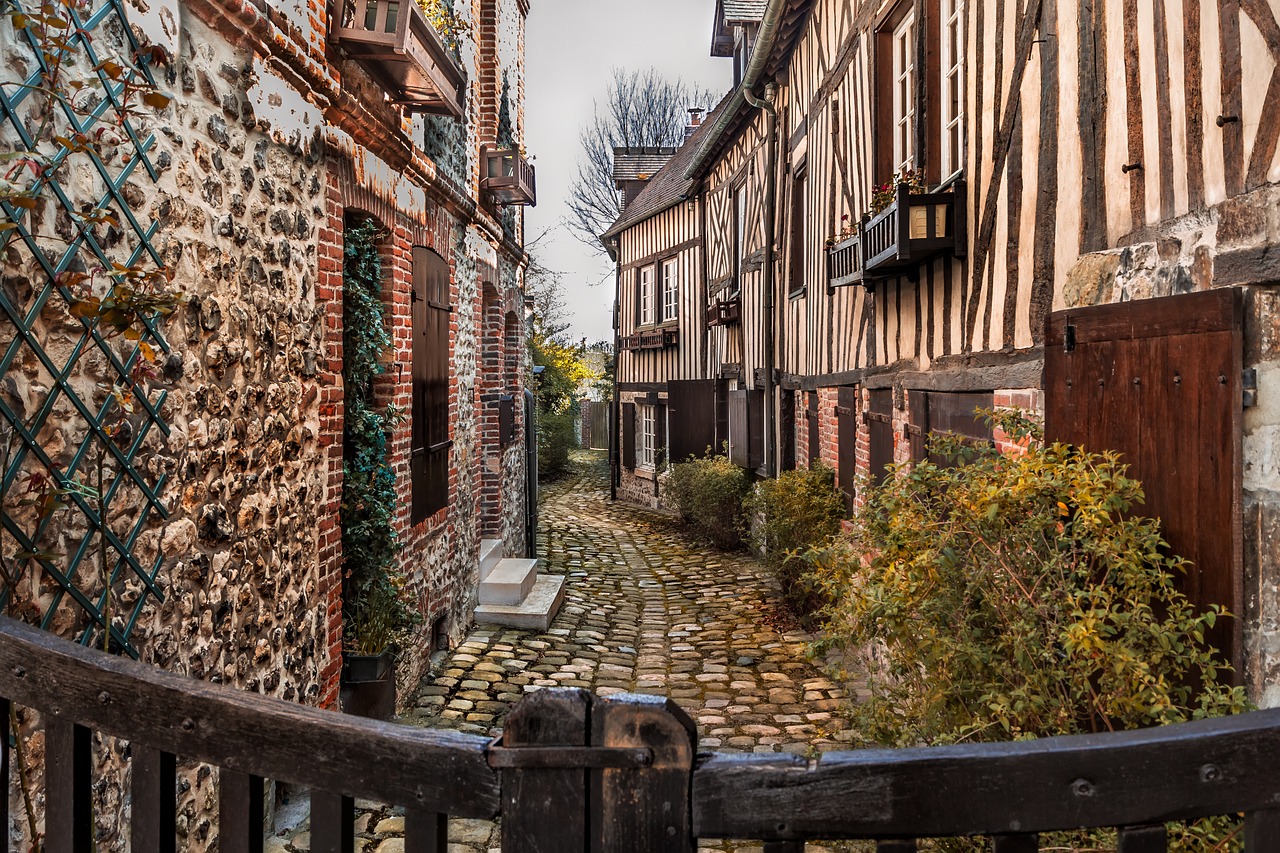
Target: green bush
798,510
710,493
1016,596
556,437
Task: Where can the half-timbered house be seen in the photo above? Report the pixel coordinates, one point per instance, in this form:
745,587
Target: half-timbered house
927,207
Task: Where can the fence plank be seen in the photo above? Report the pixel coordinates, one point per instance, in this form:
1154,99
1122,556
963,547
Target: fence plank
425,832
69,806
544,809
241,824
5,731
1025,843
978,789
642,809
784,847
152,821
333,823
896,846
1142,839
1262,832
244,731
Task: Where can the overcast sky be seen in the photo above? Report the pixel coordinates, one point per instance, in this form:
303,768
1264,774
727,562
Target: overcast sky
571,47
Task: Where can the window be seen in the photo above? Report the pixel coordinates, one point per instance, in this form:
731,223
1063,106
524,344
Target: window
952,112
739,233
429,445
795,271
904,96
670,289
645,432
646,296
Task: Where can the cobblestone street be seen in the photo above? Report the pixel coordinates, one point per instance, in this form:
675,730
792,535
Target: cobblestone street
647,610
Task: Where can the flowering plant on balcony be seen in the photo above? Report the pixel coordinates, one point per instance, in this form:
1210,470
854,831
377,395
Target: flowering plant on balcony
847,229
452,29
884,195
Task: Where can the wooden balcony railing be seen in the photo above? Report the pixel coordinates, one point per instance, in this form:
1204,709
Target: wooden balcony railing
915,228
508,176
722,312
396,44
651,339
616,774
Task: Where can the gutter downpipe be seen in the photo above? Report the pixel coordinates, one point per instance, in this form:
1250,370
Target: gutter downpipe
770,217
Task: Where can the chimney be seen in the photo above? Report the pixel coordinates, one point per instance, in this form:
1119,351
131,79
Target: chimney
695,119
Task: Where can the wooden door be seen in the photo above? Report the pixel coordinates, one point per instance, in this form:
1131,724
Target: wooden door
691,405
848,409
880,433
1159,381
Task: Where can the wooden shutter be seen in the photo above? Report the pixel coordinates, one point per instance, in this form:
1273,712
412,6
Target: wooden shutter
691,409
1159,381
880,433
787,430
506,419
746,436
796,259
629,435
659,432
954,413
722,416
815,434
848,408
429,444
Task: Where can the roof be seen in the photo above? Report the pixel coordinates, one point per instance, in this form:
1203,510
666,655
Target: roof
739,11
669,186
639,164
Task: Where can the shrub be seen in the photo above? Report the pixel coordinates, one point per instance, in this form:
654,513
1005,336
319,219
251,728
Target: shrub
710,492
556,437
798,510
1017,596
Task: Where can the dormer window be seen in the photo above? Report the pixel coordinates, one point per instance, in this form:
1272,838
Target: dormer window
744,39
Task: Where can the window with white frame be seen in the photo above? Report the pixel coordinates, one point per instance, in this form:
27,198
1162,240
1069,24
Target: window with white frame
952,113
646,296
670,289
904,95
645,432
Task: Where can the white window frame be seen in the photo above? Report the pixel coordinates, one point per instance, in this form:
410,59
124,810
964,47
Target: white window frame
904,99
646,295
646,433
670,289
952,110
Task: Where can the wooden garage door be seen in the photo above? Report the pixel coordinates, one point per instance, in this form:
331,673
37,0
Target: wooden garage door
1158,381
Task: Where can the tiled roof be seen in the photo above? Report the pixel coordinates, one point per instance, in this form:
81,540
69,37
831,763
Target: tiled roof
669,186
744,11
639,164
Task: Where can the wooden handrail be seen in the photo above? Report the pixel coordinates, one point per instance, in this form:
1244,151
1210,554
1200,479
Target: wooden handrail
424,770
1180,772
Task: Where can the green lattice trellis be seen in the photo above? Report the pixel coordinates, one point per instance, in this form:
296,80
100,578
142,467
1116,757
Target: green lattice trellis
85,250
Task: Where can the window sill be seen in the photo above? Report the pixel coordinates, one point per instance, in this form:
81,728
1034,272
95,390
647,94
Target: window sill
646,473
799,293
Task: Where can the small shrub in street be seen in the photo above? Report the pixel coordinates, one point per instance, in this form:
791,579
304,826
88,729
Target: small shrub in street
1017,596
556,437
710,492
798,510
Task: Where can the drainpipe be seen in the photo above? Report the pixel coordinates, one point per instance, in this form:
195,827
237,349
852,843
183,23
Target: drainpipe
766,326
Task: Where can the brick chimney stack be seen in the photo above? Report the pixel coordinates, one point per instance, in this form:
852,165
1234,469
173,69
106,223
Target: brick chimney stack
695,119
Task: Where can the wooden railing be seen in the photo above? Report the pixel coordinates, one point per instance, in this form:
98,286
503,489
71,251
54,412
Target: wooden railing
508,176
722,312
914,228
617,774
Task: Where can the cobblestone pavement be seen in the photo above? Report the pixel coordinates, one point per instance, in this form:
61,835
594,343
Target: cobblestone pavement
647,610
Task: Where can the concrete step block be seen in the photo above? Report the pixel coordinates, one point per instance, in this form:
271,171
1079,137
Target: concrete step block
509,582
534,613
490,554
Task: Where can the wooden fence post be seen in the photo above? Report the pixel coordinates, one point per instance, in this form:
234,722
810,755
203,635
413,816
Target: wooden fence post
643,809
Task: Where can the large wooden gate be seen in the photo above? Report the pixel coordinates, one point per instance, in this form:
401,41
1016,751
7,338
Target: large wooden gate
1159,381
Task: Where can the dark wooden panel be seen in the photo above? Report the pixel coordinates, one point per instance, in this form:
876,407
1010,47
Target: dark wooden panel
880,434
1262,832
722,416
815,432
544,809
691,407
429,411
628,435
5,730
241,824
1025,843
152,821
659,431
506,419
1142,839
643,808
1142,777
787,431
848,412
220,725
1170,404
425,832
918,424
68,768
746,428
333,823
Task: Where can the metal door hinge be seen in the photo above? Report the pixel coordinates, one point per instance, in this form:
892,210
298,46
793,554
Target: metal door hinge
1249,385
567,757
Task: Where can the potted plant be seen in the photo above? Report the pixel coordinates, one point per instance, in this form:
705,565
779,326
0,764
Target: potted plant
377,622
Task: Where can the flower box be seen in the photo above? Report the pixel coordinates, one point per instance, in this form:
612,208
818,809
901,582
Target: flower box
507,176
722,312
915,228
845,261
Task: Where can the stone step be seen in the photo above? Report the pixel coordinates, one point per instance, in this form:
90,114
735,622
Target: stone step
490,554
509,582
535,612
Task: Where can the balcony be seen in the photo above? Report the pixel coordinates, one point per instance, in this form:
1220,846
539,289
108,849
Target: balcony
507,176
393,41
722,312
914,229
651,339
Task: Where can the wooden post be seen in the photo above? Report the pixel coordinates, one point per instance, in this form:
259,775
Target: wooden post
69,806
425,832
1142,839
240,812
1262,832
1025,843
152,822
644,809
544,809
333,823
